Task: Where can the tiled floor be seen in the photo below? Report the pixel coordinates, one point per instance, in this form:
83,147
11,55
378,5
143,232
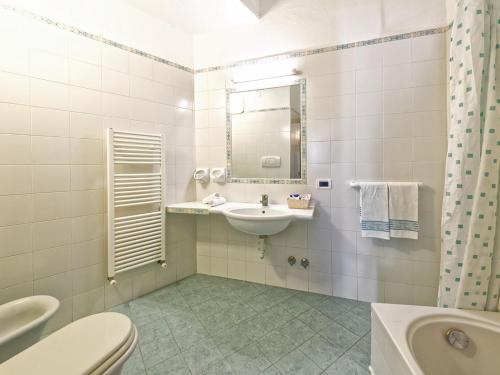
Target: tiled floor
211,325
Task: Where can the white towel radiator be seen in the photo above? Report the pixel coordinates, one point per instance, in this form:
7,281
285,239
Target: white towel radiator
136,200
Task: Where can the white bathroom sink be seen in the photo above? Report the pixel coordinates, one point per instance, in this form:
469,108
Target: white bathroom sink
258,221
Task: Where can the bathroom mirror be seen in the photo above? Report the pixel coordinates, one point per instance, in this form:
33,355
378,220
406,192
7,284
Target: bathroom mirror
266,134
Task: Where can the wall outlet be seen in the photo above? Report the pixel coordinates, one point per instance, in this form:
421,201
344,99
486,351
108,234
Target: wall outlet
323,183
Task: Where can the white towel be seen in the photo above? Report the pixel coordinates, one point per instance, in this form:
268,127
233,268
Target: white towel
374,202
214,200
403,210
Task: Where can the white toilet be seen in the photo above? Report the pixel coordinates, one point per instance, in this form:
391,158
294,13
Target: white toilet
97,344
22,322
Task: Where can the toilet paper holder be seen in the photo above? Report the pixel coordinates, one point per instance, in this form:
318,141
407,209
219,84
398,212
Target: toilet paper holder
202,175
218,175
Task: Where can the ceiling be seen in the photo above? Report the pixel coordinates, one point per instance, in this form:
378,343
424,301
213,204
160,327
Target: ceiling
202,16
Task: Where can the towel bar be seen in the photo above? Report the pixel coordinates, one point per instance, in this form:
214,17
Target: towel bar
136,201
357,184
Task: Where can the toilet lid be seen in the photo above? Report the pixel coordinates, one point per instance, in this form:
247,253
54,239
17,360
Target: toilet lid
78,348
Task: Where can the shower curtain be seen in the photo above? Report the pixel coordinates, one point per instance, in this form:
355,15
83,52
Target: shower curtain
470,256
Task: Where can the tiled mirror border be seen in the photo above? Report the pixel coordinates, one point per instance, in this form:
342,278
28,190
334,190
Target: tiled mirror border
303,142
279,56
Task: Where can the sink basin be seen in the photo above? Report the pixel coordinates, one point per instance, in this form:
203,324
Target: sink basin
258,221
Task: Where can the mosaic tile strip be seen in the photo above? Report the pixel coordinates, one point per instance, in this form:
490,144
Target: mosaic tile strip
96,37
192,211
303,147
315,51
279,56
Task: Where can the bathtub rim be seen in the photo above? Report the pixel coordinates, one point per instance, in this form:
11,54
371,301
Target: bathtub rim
396,321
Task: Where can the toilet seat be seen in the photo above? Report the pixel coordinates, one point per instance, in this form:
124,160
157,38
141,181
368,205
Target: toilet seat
91,345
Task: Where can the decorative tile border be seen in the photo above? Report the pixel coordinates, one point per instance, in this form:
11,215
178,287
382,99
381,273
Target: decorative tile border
96,37
192,211
303,144
315,51
279,56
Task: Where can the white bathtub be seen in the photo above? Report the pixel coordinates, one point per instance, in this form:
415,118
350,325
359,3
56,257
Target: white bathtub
410,340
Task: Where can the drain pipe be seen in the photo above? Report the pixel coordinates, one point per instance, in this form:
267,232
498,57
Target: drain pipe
261,246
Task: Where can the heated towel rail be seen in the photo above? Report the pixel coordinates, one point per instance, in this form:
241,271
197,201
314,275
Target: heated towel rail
136,200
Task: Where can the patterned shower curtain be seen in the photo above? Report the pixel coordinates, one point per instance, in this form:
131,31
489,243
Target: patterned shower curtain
470,258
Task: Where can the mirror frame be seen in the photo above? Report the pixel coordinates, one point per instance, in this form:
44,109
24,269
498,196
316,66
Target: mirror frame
303,138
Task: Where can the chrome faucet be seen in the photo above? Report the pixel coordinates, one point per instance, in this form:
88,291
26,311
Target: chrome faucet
264,200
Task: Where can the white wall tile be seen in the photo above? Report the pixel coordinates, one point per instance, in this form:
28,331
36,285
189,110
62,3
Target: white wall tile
16,270
50,206
115,82
369,56
368,127
15,118
397,76
84,74
319,152
50,150
428,47
14,149
49,122
84,125
53,233
369,104
86,151
14,88
343,129
51,261
140,66
49,94
345,287
369,80
398,101
49,66
51,161
51,178
83,49
397,52
114,58
16,240
15,179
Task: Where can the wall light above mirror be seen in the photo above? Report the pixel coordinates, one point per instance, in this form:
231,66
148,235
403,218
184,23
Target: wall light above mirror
266,132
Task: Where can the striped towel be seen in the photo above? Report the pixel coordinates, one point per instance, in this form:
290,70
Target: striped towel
374,215
403,210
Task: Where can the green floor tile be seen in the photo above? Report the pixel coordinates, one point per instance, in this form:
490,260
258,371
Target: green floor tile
345,366
338,335
201,355
354,323
296,331
297,363
248,360
231,340
211,325
275,345
315,319
321,352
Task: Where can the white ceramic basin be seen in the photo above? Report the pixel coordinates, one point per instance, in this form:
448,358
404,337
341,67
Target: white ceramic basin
22,322
258,221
